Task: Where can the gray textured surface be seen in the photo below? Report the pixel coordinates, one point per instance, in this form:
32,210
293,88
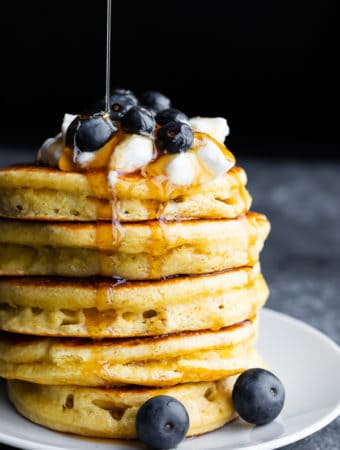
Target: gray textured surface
301,260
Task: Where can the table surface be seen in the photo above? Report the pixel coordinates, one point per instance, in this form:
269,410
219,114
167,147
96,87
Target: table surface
301,257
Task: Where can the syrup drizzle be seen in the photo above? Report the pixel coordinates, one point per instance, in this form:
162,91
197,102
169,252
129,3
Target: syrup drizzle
108,56
107,238
117,229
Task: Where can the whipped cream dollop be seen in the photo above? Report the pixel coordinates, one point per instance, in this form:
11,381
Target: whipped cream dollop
207,159
84,158
132,153
213,159
181,169
52,148
67,120
217,127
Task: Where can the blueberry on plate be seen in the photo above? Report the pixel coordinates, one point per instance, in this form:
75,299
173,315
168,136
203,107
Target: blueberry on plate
162,422
258,396
155,101
93,132
171,114
139,120
175,137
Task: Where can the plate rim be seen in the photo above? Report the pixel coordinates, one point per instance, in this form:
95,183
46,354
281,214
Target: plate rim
272,444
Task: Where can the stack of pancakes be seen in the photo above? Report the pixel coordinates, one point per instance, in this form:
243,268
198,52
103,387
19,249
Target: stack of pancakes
110,297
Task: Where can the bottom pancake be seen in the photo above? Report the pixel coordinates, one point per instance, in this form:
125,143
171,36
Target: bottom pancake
111,413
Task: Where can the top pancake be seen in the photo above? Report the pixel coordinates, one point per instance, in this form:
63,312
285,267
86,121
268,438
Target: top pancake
44,193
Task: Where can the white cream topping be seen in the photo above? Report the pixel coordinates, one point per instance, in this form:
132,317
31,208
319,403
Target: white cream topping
132,153
42,152
83,158
135,152
213,159
51,150
181,169
67,120
217,127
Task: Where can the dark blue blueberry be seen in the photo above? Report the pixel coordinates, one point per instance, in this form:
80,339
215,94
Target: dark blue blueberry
162,422
122,91
121,103
138,120
93,132
171,114
258,396
175,137
121,100
155,101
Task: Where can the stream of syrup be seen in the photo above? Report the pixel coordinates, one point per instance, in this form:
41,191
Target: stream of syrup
107,238
108,56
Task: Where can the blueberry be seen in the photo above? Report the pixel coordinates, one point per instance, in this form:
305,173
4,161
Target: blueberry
122,91
162,422
258,396
93,132
170,114
155,101
139,120
121,100
175,137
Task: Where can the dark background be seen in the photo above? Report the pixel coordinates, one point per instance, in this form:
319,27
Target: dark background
269,66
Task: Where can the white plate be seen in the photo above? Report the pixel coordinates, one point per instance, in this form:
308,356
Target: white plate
307,362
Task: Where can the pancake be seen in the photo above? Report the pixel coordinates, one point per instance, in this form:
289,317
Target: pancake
106,308
111,413
150,361
135,251
42,193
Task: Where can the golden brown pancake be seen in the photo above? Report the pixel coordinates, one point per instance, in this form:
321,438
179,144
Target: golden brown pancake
43,193
150,361
111,412
135,251
106,308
